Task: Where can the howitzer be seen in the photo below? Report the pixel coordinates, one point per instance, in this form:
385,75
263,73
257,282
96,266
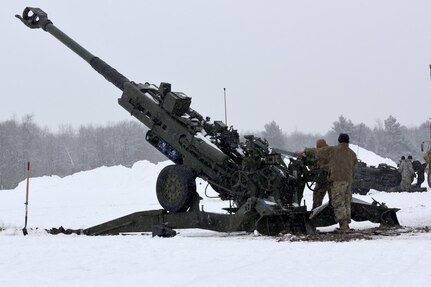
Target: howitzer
211,151
264,189
383,178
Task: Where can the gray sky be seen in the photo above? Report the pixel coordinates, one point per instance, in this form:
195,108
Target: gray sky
300,63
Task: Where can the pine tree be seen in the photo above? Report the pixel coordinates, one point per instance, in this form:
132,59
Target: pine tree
274,135
394,140
343,125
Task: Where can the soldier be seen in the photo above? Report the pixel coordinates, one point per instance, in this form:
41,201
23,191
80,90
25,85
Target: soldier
427,156
406,170
322,184
410,161
419,168
342,162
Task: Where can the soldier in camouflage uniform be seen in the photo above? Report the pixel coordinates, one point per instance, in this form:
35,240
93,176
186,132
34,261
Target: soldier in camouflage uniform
342,165
342,162
322,185
406,170
427,158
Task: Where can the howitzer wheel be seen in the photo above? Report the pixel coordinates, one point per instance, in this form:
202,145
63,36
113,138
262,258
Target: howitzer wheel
175,188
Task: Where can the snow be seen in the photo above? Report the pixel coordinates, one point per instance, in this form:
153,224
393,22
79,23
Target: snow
202,137
370,158
194,257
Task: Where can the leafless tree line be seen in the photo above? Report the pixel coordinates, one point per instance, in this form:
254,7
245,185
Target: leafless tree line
69,150
387,138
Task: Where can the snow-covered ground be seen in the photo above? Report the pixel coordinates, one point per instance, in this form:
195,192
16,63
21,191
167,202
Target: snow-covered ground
194,257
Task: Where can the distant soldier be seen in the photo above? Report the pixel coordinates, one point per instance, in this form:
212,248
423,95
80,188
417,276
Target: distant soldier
406,170
427,156
342,162
410,161
419,168
322,184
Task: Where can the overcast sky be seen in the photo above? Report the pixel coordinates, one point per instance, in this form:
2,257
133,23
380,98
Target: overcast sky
300,63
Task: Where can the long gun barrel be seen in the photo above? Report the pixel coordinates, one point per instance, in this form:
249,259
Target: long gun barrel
35,18
175,129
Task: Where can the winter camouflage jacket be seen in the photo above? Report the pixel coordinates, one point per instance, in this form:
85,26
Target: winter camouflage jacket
340,160
406,168
321,162
427,156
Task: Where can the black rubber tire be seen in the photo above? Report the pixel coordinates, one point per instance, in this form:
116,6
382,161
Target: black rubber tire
175,188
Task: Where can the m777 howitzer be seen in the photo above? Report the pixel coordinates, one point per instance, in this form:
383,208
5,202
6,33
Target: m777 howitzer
382,177
266,192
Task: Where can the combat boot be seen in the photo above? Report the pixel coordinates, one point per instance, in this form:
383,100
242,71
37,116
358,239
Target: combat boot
344,226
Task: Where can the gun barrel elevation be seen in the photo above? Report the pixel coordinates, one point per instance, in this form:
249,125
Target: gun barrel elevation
35,18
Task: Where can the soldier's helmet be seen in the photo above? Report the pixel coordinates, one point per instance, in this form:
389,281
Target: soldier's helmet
410,157
403,157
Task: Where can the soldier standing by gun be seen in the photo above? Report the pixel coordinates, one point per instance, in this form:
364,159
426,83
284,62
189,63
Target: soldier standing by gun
322,184
410,162
406,170
427,158
342,162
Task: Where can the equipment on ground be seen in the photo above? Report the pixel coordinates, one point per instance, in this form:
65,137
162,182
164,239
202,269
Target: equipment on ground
24,230
266,191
